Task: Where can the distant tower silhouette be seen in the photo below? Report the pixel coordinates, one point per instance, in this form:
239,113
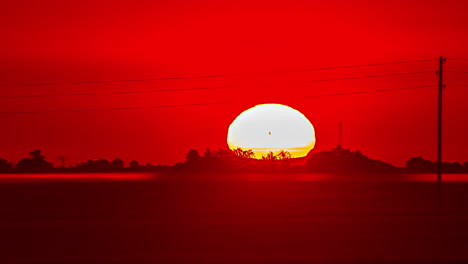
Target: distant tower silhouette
340,135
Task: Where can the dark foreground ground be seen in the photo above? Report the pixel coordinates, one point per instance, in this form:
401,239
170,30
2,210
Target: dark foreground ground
233,222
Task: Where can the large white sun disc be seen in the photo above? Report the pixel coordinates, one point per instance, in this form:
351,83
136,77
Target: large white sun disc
272,127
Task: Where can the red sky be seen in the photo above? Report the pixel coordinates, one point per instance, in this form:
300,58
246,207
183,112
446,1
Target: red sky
68,41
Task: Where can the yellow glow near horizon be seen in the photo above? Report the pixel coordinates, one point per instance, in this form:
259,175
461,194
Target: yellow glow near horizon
272,127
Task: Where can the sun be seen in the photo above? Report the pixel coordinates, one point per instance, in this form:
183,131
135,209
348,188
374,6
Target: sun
272,127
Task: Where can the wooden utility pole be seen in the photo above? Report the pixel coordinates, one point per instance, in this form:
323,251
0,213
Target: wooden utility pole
439,123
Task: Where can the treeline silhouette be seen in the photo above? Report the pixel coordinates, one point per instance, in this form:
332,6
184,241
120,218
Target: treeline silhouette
421,165
336,160
234,160
37,163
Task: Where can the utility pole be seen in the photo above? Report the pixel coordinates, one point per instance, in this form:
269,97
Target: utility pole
439,123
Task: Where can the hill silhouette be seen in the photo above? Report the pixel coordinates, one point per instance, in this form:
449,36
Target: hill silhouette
340,159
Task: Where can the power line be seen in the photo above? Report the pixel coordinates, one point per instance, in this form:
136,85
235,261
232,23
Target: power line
119,81
114,108
360,65
205,76
458,71
202,88
123,92
461,85
456,59
371,91
202,104
362,77
183,89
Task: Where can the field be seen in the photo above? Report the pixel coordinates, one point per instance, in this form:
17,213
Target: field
261,221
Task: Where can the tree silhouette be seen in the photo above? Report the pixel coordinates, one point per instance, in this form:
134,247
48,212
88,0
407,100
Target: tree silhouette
418,164
421,165
35,163
117,164
270,157
283,155
452,167
208,154
36,155
134,164
192,156
218,160
100,165
223,154
5,165
244,154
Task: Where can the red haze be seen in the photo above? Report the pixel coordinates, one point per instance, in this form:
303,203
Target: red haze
55,41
